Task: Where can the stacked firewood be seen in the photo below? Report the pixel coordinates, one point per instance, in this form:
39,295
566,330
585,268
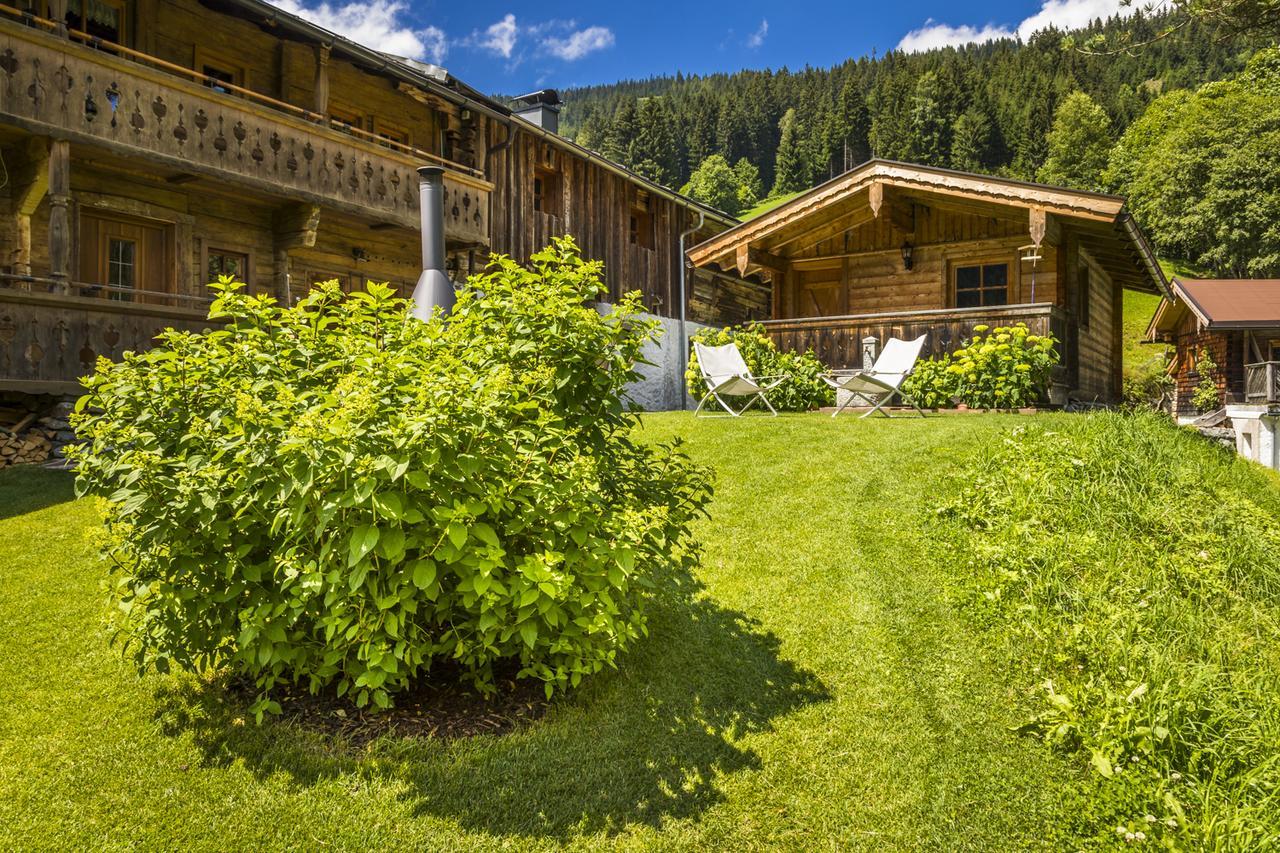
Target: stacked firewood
28,432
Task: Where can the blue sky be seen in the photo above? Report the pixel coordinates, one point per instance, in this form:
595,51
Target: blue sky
513,47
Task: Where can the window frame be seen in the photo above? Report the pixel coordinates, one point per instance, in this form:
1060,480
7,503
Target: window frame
121,7
205,58
215,250
957,263
642,224
339,112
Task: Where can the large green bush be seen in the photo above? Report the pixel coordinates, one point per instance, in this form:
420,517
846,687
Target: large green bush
338,494
802,390
1002,368
1131,572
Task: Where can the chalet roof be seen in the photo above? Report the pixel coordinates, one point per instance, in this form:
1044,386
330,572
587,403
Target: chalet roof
1219,304
437,80
853,199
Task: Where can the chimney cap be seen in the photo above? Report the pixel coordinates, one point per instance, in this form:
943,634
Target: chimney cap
545,97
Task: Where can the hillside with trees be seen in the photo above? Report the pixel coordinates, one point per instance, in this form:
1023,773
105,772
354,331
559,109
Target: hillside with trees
988,108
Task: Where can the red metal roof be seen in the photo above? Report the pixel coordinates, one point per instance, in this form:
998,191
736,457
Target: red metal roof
1232,303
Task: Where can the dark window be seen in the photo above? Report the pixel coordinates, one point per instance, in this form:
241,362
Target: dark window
121,267
218,79
234,264
546,191
641,232
103,19
1085,300
982,285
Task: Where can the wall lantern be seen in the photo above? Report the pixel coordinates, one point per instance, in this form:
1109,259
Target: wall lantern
907,251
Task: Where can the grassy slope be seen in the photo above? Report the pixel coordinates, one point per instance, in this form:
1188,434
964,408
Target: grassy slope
767,205
821,693
1139,308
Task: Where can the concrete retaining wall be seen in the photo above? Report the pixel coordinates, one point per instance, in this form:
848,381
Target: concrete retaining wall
659,390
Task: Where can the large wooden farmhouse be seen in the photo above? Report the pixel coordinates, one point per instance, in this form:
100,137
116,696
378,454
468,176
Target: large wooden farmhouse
152,145
896,250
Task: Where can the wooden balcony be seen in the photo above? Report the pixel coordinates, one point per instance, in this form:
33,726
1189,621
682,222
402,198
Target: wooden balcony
49,339
117,99
837,341
1262,383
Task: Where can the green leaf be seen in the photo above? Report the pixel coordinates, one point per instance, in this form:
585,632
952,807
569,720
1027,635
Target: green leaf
364,538
1101,763
528,632
424,573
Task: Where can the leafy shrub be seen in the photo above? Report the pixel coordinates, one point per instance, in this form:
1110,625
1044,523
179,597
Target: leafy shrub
1206,396
1132,572
932,385
337,494
1147,386
803,388
1002,368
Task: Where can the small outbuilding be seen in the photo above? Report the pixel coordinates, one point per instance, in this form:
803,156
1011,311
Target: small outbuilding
1226,338
902,250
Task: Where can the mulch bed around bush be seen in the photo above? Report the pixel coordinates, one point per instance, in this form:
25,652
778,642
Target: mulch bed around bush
443,707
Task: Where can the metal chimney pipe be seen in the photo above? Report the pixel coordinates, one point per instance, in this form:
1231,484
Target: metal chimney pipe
434,290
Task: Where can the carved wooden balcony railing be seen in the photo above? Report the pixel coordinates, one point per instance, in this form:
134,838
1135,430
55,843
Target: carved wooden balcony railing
48,340
837,341
55,86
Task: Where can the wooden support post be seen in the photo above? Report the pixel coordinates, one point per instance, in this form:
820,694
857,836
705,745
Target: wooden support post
29,177
294,226
59,216
280,275
322,79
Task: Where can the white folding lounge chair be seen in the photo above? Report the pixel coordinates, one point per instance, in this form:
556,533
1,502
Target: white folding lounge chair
727,375
883,380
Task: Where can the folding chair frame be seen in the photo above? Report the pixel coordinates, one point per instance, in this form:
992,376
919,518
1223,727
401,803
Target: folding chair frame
763,383
885,395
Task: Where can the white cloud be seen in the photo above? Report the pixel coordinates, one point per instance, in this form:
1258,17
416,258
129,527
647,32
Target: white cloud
1063,14
757,38
375,24
499,38
578,44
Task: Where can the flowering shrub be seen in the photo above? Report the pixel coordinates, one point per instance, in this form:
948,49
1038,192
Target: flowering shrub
1206,396
803,388
1002,368
337,494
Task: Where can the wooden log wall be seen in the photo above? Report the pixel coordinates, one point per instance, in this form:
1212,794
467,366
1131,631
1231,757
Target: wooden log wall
595,208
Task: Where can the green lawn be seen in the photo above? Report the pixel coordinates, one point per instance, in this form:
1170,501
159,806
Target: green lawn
818,692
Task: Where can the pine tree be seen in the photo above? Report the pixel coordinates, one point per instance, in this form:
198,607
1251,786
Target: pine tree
971,141
928,122
788,173
1078,144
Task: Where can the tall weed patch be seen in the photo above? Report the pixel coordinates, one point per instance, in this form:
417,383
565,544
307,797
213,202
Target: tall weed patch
1133,571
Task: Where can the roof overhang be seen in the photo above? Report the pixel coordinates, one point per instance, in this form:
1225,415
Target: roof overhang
1106,228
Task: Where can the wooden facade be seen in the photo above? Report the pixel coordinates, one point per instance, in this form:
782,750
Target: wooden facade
156,144
894,250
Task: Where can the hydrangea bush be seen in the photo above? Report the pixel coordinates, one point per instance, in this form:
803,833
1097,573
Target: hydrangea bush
338,495
801,391
1001,368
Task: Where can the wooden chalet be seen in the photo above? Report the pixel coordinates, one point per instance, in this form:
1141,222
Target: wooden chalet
152,145
1236,322
898,250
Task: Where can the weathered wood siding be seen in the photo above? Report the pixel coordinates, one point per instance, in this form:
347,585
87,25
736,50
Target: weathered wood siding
595,209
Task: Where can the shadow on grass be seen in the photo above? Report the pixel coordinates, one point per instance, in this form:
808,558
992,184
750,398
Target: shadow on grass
28,488
643,746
